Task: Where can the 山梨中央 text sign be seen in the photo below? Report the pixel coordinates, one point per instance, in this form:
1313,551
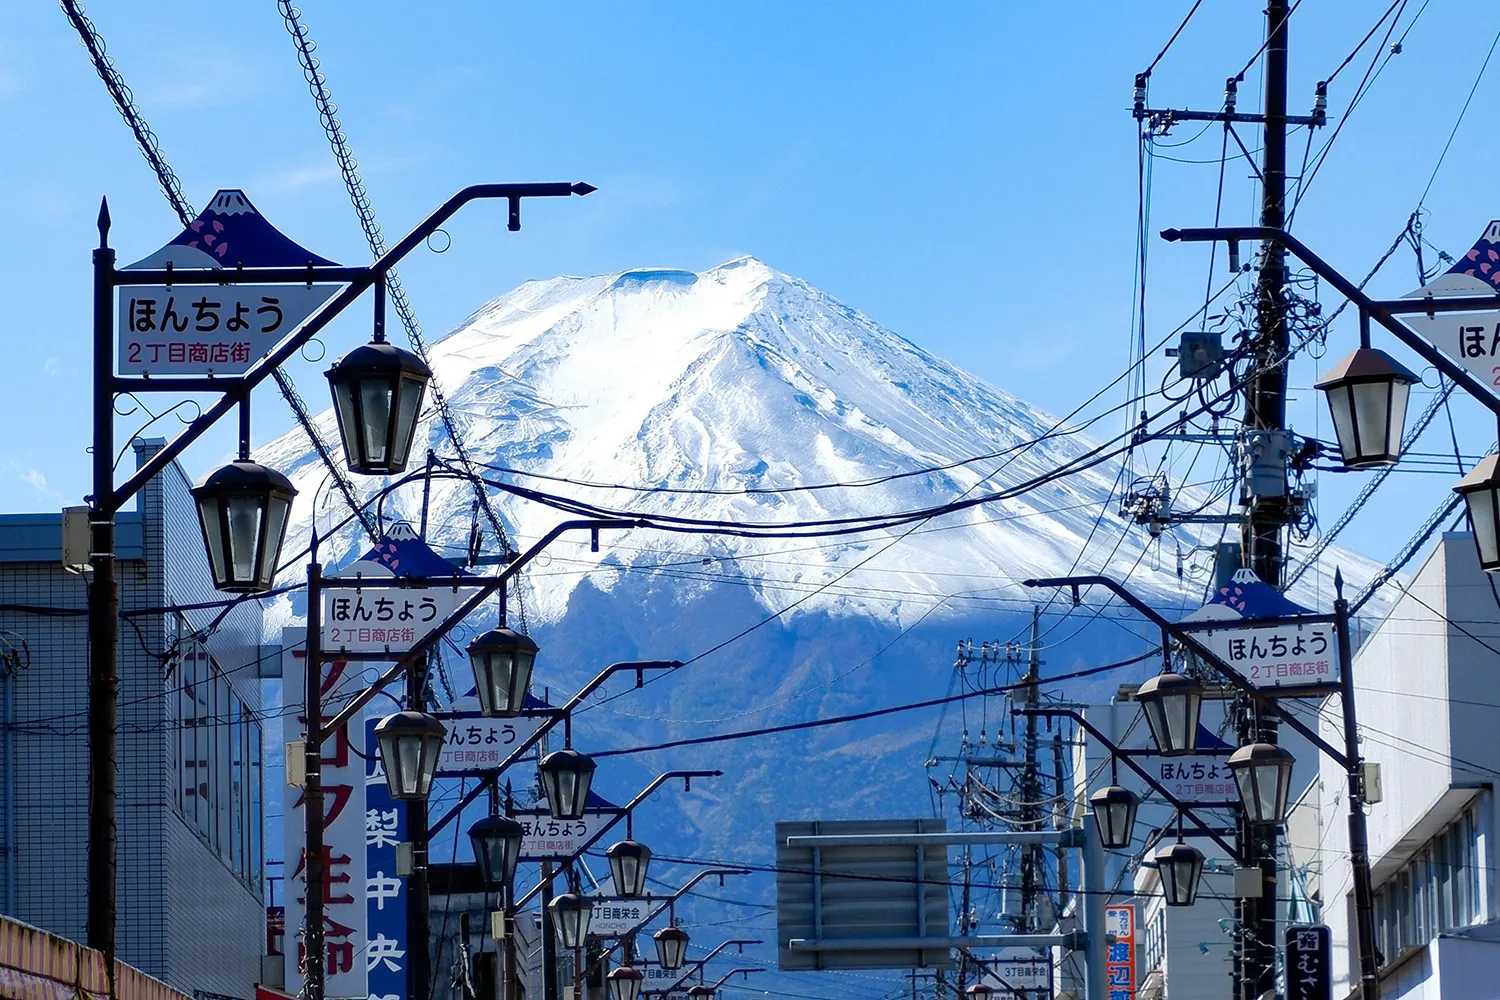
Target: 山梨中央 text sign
208,329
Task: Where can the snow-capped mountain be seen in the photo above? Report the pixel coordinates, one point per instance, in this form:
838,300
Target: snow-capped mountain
766,401
738,379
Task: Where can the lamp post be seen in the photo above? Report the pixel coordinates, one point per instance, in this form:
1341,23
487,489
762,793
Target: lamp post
624,983
1367,392
566,776
107,498
1263,773
979,991
1114,808
502,659
1180,867
1348,759
497,847
242,510
377,397
1172,704
570,914
671,947
628,863
410,743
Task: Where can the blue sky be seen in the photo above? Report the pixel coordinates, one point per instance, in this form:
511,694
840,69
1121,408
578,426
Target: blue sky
966,175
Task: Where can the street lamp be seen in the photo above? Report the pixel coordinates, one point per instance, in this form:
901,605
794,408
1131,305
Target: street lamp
1263,772
377,395
1367,393
410,743
701,992
1481,492
1114,809
571,914
671,947
1180,867
502,659
242,509
1171,703
628,861
980,991
497,847
566,776
624,983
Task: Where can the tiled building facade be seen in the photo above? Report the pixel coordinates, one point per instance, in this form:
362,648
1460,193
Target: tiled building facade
190,889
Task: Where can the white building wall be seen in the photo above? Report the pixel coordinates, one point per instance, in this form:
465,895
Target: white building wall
1425,697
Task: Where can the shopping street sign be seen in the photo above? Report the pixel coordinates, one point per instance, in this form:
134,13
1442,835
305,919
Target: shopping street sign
1265,638
209,329
615,915
386,619
477,745
1470,338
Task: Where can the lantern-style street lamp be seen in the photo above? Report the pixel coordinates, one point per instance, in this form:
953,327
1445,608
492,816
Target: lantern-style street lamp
502,659
701,992
1481,492
1367,393
671,947
628,861
410,743
1180,867
566,776
624,983
497,847
377,395
1171,703
1114,808
242,509
571,914
1263,772
980,991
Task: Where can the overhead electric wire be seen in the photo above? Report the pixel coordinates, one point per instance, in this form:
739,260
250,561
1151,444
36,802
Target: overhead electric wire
349,169
1191,11
150,148
873,713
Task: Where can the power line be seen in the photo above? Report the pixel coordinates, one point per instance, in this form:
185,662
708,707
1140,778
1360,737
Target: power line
150,147
318,85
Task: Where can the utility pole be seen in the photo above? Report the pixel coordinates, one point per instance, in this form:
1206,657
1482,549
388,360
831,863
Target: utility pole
1265,495
1033,855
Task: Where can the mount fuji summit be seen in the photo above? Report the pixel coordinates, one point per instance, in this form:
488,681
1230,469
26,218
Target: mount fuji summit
748,397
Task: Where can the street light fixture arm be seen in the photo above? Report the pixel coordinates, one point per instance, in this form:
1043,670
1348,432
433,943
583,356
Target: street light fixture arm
644,794
665,904
418,652
1156,786
557,715
744,971
360,280
1187,639
1383,312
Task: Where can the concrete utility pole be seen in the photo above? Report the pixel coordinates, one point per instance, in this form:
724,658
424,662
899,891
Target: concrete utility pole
1033,858
1265,493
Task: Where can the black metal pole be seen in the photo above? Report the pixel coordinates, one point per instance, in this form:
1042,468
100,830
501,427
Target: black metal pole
549,938
1267,513
1359,840
103,618
312,790
418,892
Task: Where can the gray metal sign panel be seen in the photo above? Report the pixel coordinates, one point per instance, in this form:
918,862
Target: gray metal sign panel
829,895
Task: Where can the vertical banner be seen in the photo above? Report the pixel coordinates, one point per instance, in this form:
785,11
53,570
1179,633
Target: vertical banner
344,783
385,827
1309,962
1119,963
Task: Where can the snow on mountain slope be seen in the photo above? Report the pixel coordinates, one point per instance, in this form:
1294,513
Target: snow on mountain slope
741,378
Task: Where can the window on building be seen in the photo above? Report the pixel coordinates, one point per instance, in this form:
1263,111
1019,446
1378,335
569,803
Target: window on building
219,793
1154,950
1437,891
